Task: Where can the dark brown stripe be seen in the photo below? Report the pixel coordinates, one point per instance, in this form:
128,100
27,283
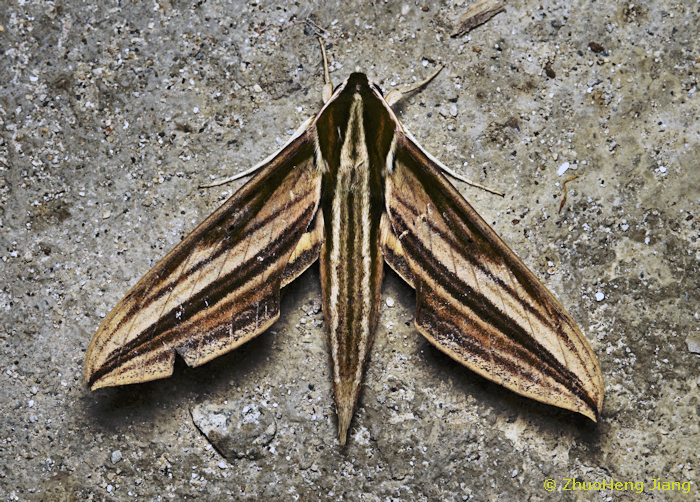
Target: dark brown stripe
452,282
221,246
541,359
163,331
443,195
447,200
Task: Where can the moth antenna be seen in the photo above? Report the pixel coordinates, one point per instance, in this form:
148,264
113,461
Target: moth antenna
470,182
327,85
396,94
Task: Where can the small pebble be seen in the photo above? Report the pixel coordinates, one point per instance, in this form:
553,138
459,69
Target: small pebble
116,456
693,343
599,296
389,302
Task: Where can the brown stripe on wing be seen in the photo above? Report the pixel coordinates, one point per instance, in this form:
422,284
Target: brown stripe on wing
511,366
467,255
307,251
493,343
200,247
214,245
461,240
393,252
215,319
220,286
477,301
446,313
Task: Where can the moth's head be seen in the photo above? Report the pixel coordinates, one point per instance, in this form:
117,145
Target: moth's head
357,82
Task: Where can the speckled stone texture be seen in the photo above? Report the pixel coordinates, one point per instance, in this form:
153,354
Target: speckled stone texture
111,115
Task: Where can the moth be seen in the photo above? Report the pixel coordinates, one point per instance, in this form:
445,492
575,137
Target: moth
352,189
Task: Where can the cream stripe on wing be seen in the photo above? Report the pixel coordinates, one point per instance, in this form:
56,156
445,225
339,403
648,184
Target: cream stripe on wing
178,305
520,327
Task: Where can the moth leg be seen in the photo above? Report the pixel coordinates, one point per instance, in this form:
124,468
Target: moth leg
307,251
393,251
450,171
326,94
396,94
302,128
327,85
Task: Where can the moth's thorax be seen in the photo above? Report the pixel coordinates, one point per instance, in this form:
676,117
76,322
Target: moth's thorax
356,124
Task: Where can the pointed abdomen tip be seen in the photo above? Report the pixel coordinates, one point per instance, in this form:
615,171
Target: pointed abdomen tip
344,418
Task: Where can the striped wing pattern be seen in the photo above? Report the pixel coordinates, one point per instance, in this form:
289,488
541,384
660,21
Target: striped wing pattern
477,301
220,286
354,189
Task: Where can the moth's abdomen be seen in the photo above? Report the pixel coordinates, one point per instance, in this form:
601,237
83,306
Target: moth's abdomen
351,262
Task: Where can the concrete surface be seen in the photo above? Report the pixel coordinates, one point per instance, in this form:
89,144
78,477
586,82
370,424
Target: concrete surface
111,115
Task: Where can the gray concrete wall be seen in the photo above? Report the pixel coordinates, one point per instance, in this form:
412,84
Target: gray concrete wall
111,115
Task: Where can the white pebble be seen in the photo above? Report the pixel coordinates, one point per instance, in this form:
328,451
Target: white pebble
599,296
390,302
563,168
